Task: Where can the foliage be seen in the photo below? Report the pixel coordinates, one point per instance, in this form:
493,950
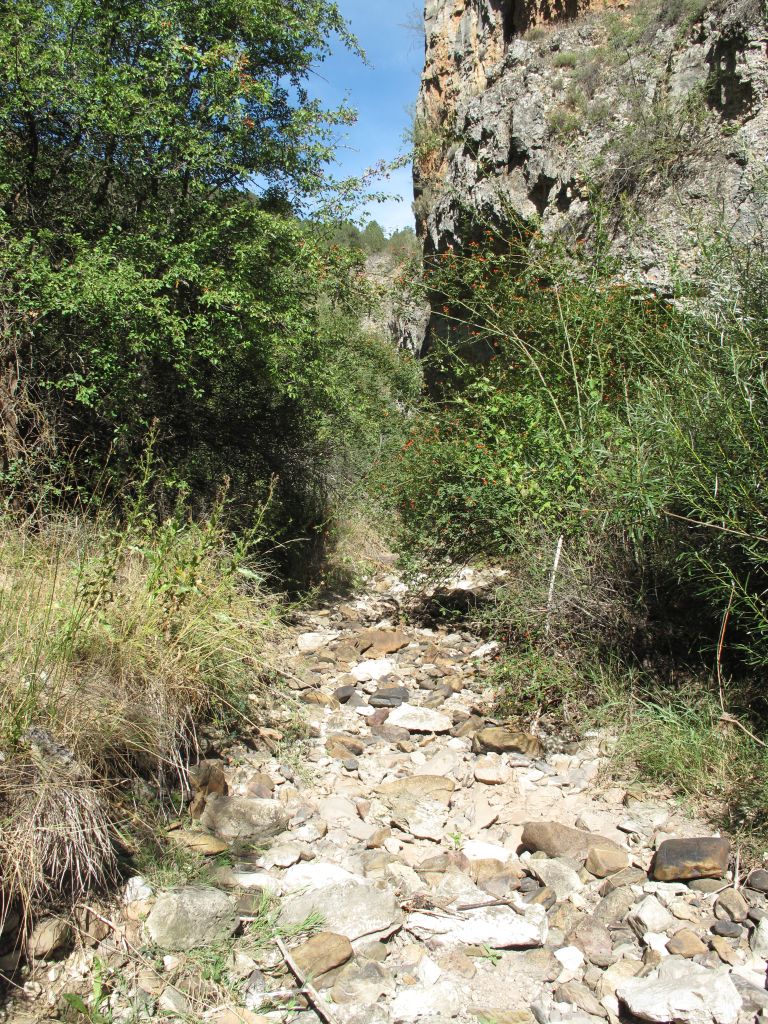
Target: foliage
144,283
117,641
568,403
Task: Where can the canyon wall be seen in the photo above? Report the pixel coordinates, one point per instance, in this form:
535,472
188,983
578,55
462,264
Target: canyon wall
653,111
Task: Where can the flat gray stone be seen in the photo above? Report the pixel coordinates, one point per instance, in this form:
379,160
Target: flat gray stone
192,916
682,991
356,908
244,818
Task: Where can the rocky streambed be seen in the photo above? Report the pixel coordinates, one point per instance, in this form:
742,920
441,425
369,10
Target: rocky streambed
421,861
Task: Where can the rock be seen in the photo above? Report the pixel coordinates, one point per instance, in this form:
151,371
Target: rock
198,842
727,929
580,997
173,1001
731,906
243,819
343,693
650,916
724,949
683,859
490,772
381,641
496,927
49,936
416,719
558,840
389,697
436,786
137,890
322,953
356,908
686,943
604,860
423,819
205,778
500,740
374,670
616,975
362,984
316,874
192,916
308,643
682,991
758,880
758,940
437,1002
595,940
571,957
558,875
614,907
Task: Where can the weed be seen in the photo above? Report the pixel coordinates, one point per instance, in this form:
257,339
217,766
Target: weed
565,59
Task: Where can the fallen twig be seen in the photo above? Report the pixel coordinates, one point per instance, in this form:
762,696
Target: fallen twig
730,720
318,1003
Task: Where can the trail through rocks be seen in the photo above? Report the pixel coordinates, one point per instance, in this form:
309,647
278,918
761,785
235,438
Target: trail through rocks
456,869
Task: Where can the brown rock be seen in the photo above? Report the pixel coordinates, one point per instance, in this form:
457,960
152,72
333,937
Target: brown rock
580,997
378,837
686,943
594,940
731,906
322,953
469,727
605,860
381,641
495,878
260,785
438,787
500,740
614,907
92,929
724,950
558,840
318,697
49,935
629,876
205,778
199,842
682,859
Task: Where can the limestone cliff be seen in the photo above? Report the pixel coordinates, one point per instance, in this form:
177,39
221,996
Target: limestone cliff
656,108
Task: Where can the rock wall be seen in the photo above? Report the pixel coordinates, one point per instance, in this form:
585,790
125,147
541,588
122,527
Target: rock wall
536,108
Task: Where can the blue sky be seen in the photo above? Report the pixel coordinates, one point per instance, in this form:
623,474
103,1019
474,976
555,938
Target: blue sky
383,95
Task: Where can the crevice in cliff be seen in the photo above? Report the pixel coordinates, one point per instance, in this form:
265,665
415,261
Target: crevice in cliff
729,93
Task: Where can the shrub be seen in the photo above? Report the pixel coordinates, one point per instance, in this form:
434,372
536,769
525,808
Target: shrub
117,642
567,403
565,59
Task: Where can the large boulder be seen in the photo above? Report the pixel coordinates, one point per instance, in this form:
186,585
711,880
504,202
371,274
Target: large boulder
558,840
683,992
240,818
679,860
192,916
356,908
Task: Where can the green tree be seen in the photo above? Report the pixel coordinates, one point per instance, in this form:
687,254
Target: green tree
155,159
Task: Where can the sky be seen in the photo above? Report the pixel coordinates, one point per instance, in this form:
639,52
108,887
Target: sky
383,94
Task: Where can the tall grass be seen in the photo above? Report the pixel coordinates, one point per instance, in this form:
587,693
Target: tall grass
116,642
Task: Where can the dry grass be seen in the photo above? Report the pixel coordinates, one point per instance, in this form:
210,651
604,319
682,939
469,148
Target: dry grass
114,645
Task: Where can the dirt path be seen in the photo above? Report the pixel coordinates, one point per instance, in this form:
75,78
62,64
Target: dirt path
404,826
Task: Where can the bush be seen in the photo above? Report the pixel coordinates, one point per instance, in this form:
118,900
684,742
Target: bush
567,403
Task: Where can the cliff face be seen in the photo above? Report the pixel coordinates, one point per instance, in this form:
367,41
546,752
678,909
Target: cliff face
655,108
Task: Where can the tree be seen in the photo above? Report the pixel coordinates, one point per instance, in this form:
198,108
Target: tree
149,281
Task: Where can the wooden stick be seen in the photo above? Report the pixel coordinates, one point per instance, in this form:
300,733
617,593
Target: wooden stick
318,1003
550,598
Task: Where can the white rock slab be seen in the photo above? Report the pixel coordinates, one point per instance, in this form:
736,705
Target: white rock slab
308,643
314,875
373,669
476,849
497,927
357,908
682,991
416,719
